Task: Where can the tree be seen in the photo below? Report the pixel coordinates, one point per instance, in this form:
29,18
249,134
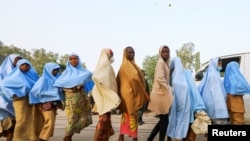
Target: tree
190,60
197,61
38,57
149,63
1,44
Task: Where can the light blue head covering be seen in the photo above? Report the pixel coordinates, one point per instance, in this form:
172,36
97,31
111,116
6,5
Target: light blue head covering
43,90
73,76
19,83
8,65
6,105
180,112
213,92
197,103
235,83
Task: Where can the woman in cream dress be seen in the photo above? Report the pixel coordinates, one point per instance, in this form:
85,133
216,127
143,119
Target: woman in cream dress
105,94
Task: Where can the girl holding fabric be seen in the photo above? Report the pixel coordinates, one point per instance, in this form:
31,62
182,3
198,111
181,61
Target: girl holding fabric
197,104
48,98
236,87
77,105
17,86
161,97
7,114
131,89
105,94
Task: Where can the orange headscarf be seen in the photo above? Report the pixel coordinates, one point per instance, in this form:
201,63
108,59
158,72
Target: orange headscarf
131,86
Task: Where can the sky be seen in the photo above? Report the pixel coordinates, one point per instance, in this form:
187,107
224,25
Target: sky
216,27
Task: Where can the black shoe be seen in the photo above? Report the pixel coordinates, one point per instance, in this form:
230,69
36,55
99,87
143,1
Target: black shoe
141,122
157,116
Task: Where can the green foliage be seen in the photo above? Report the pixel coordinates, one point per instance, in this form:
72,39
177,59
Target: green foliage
38,57
189,58
197,61
6,50
148,65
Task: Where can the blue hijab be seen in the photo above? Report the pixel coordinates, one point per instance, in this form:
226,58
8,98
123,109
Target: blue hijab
235,83
213,92
197,103
43,90
6,105
180,112
19,83
88,86
8,65
73,76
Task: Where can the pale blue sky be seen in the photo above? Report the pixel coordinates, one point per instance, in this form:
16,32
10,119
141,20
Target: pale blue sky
216,27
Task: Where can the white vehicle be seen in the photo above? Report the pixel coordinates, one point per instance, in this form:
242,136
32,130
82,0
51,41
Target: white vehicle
241,58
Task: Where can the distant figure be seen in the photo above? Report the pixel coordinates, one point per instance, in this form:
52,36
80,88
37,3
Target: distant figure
77,104
47,98
17,86
131,89
236,87
144,108
161,97
7,114
213,93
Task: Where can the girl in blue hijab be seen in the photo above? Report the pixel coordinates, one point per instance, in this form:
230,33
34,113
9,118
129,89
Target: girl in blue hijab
17,86
48,98
197,104
179,116
77,105
7,114
213,93
236,87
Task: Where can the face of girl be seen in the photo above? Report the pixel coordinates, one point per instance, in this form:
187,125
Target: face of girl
130,53
16,59
73,60
55,71
165,53
24,67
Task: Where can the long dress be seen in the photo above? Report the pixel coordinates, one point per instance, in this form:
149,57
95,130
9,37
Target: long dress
131,89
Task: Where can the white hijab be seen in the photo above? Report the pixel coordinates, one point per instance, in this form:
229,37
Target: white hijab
105,89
